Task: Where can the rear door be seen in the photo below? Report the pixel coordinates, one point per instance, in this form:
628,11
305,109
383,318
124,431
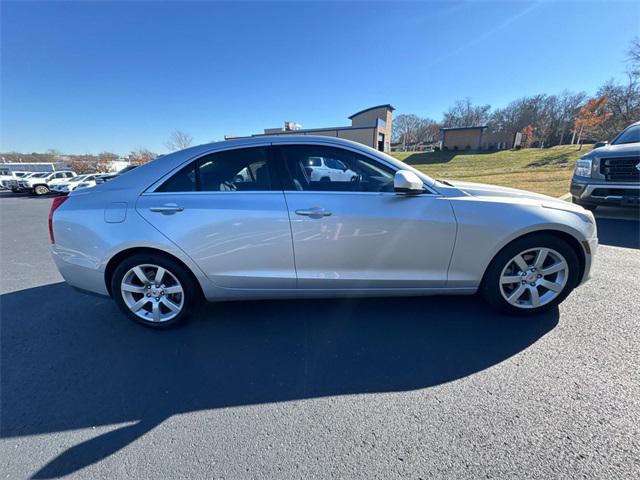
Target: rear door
227,211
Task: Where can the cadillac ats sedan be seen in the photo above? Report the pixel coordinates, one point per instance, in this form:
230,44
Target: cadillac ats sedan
250,219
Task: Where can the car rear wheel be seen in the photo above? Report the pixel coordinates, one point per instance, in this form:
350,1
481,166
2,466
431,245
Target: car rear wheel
154,290
41,190
531,274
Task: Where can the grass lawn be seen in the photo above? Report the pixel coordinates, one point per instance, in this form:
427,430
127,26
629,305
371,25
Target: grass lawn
539,170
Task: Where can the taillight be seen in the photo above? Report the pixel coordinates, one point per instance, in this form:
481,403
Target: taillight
57,201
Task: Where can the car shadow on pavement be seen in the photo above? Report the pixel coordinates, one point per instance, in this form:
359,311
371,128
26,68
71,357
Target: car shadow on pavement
72,361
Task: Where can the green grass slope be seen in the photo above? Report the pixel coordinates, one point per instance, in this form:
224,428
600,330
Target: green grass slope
542,170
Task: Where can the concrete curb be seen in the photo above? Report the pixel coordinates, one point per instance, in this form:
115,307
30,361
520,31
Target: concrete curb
565,197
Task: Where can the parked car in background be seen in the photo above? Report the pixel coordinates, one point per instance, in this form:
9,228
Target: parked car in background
189,225
41,183
610,174
6,176
80,181
110,176
328,169
12,184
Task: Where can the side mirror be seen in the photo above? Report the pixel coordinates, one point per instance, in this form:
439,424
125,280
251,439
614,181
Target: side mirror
600,144
407,182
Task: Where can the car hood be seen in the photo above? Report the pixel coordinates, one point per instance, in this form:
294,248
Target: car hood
614,150
482,190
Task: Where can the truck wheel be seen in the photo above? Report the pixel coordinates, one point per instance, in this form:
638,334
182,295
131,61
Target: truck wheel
41,190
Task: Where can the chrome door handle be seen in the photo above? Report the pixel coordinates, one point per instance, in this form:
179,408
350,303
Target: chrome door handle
167,209
314,212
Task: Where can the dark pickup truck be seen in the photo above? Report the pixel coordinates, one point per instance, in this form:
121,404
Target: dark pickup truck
610,173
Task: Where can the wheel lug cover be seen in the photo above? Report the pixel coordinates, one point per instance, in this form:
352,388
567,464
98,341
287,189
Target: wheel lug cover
533,284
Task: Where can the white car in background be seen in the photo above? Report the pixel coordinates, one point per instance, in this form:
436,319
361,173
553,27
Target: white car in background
42,183
6,176
80,181
320,169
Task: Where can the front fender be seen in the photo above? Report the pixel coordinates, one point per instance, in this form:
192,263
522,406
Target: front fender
485,227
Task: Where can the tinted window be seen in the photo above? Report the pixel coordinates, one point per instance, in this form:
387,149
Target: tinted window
245,169
348,171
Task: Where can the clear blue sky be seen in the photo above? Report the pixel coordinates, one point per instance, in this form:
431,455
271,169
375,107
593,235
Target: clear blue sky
90,77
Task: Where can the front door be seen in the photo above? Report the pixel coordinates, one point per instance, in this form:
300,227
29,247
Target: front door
227,211
358,233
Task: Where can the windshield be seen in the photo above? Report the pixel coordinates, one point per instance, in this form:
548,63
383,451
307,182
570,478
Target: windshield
78,178
5,172
630,135
39,175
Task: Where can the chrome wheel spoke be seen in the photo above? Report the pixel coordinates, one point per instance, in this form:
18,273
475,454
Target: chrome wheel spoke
139,304
556,267
155,309
550,285
129,287
140,274
506,279
159,275
541,257
516,294
169,304
535,296
521,262
173,289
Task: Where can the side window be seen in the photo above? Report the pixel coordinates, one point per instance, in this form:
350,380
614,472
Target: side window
347,171
246,169
69,175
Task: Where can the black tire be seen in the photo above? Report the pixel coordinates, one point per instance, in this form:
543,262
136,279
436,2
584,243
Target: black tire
490,287
589,206
40,190
191,290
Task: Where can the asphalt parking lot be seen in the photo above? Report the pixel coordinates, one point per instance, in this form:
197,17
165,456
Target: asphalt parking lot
362,388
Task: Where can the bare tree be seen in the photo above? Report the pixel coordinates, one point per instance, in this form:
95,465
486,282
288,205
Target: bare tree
179,140
465,114
405,128
140,156
633,56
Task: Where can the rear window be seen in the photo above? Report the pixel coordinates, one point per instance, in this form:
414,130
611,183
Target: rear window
244,169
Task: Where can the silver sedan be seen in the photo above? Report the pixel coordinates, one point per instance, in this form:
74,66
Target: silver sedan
248,219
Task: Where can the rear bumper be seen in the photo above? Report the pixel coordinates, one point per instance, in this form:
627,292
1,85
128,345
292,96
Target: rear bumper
606,193
80,272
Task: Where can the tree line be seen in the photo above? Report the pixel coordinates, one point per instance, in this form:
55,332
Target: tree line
87,163
547,120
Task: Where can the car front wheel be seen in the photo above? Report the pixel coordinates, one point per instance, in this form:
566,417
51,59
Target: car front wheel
531,274
154,290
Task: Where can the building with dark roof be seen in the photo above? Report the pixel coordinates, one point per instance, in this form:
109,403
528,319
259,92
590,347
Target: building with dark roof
372,127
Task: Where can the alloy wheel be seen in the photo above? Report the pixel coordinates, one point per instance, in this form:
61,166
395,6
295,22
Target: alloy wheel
534,278
152,293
